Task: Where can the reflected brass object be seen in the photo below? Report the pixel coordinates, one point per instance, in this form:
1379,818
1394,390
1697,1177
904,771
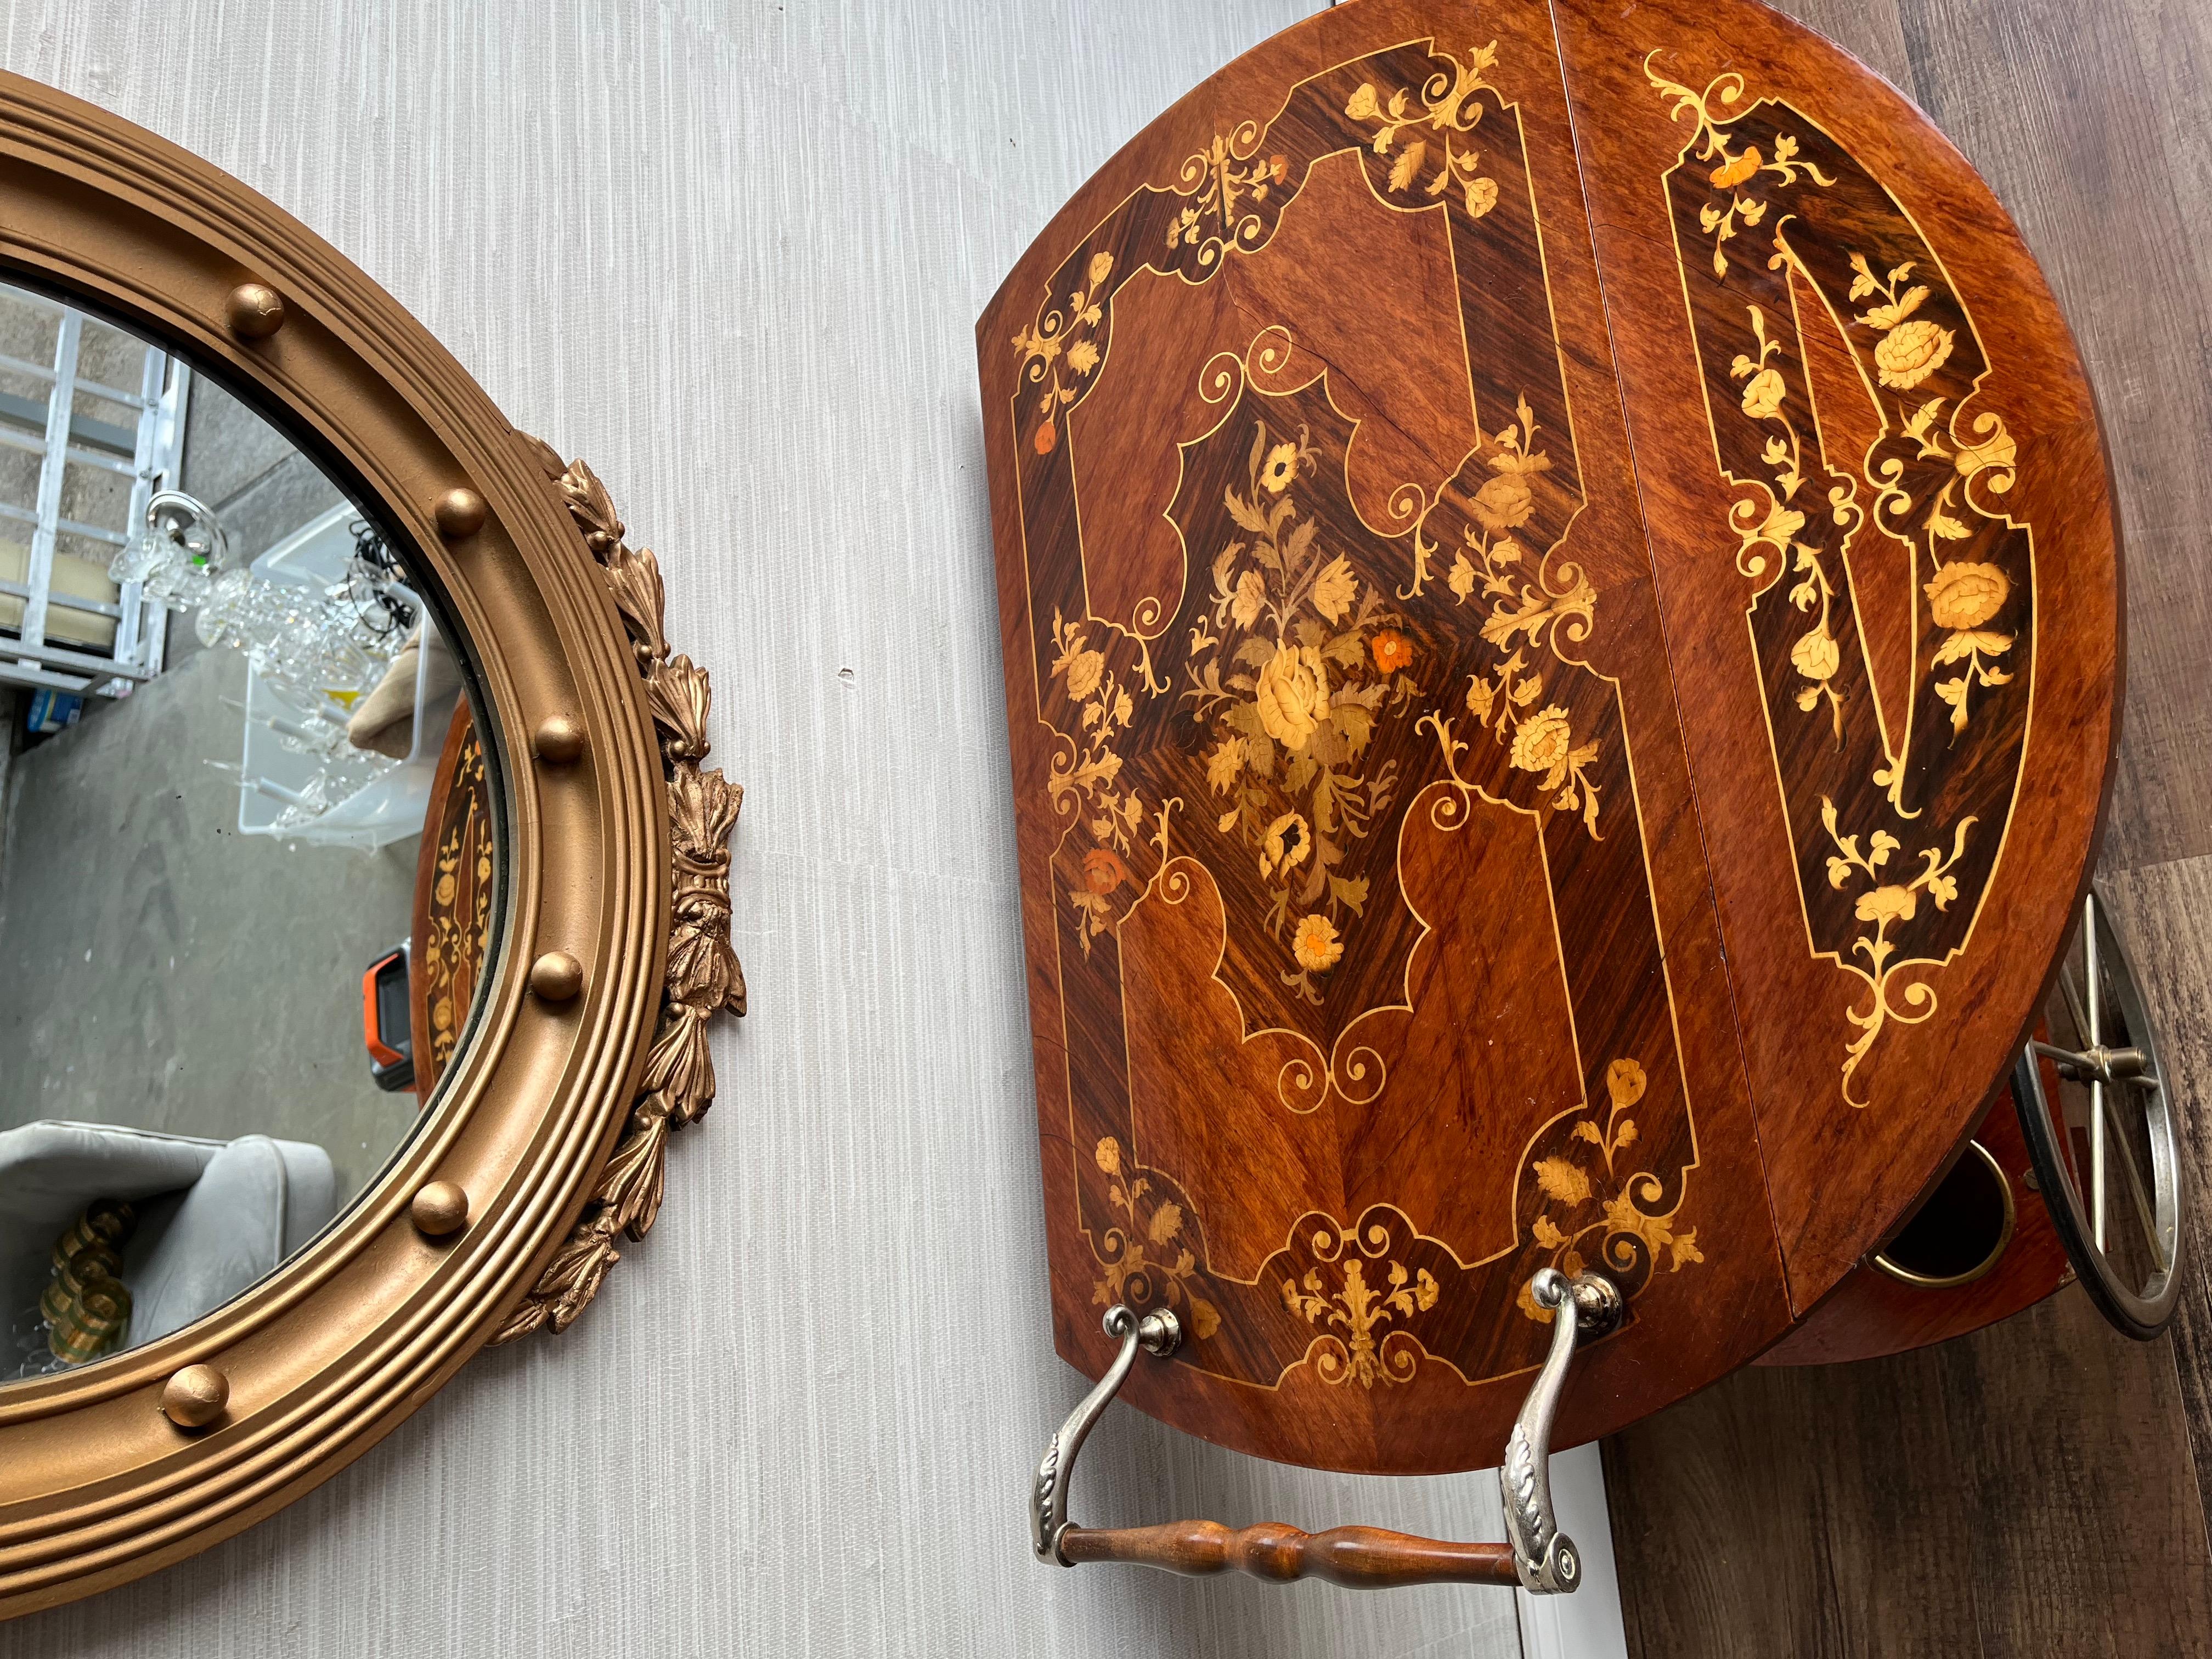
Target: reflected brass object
560,740
556,976
354,1333
85,1305
255,311
441,1208
96,1322
195,1396
460,514
105,1221
82,1268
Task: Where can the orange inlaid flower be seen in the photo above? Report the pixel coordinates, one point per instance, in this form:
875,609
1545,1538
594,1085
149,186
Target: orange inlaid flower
1103,870
1277,166
1392,650
1735,171
1046,436
1315,944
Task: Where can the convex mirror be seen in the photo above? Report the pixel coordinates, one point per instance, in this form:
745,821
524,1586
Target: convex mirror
364,901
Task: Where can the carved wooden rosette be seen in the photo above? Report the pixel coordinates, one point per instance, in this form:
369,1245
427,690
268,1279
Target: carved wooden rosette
704,976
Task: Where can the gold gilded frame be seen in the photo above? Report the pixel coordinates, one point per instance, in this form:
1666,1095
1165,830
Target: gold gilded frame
500,1215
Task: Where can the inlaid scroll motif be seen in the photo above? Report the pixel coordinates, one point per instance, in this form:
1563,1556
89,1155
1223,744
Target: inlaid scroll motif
1354,1314
1897,804
1317,690
1596,1206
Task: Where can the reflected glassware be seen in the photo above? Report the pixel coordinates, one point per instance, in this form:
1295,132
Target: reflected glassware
318,649
182,550
331,641
27,1353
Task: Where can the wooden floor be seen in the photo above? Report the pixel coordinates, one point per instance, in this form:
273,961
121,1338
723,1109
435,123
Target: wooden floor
2038,1489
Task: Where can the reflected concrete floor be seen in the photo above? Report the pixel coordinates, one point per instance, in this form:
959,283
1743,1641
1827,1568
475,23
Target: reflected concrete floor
157,968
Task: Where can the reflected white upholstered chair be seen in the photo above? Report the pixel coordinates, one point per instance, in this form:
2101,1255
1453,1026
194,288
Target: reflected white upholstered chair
213,1216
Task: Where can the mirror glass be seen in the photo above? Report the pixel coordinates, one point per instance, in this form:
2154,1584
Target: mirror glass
248,841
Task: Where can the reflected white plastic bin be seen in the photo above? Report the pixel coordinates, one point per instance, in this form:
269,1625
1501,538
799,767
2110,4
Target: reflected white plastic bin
273,774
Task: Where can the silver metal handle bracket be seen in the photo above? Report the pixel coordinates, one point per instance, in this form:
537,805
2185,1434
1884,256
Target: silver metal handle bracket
1159,1332
1545,1558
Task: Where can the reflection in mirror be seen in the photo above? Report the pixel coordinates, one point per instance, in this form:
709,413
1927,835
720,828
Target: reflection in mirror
246,843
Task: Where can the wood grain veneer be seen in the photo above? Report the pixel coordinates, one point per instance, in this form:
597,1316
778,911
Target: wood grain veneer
455,886
1560,614
2029,1489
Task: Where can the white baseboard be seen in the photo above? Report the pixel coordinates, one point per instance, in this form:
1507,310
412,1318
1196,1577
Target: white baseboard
1586,1625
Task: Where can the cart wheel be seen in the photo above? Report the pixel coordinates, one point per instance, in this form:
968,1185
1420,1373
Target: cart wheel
2098,1114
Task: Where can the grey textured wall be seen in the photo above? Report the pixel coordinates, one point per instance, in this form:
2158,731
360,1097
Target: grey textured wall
734,254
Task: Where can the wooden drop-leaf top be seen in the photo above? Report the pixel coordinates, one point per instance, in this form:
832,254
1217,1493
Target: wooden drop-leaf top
1560,606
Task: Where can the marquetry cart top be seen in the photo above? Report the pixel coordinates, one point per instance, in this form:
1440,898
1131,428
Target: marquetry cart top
454,889
1560,600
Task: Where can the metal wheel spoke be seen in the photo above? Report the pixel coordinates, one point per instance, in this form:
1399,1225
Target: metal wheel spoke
2097,1161
2094,992
2113,1053
2095,989
2074,1009
2140,1194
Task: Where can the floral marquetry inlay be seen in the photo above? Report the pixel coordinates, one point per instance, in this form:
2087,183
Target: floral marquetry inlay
1802,238
1428,141
1355,1347
1364,701
1591,1214
1538,741
1289,672
453,901
1145,1258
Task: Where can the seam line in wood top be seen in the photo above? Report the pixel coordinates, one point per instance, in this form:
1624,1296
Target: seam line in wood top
1568,98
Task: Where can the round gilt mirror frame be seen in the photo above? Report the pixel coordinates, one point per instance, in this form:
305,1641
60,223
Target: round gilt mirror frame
588,1045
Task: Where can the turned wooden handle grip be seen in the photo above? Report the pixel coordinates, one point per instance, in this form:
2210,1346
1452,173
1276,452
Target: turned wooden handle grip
1358,1558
